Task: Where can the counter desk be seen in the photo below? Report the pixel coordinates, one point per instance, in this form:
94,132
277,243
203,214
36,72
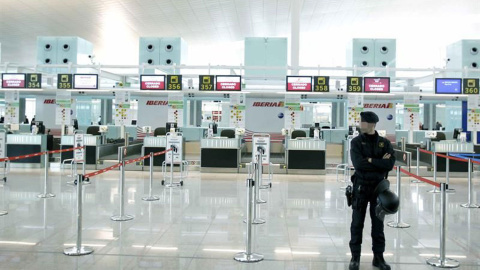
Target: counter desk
154,144
91,144
220,153
24,144
305,154
451,146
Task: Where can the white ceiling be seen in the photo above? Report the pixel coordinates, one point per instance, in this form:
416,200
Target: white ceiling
422,27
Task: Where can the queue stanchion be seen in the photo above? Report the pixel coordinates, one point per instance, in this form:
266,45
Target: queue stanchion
442,261
260,175
416,181
447,175
78,249
435,189
256,219
151,197
3,212
398,223
248,255
122,216
45,194
470,204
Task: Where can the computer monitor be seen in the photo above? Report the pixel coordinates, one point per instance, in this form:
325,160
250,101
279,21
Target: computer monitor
134,122
214,127
456,132
312,130
171,125
75,123
317,125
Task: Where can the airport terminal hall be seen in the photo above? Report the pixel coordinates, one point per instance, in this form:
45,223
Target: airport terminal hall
240,134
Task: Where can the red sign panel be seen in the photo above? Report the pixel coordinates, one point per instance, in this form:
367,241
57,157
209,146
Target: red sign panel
152,82
299,83
229,83
376,85
13,80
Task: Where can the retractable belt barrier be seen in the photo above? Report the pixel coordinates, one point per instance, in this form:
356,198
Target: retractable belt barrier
418,177
88,175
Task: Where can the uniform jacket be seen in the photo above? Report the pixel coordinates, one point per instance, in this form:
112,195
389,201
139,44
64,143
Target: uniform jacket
362,148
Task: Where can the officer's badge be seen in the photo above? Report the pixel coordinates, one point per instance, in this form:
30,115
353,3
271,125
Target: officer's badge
381,144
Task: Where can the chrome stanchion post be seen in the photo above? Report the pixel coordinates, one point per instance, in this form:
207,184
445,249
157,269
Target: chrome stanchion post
418,167
256,219
45,193
122,216
447,175
442,261
259,176
434,190
398,223
470,204
78,249
150,197
248,255
3,212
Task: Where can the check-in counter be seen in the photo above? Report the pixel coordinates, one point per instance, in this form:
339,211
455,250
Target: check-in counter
419,135
24,144
220,153
154,144
91,144
451,146
306,154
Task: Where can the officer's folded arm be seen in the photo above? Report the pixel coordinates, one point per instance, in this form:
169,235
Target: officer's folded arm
360,162
385,164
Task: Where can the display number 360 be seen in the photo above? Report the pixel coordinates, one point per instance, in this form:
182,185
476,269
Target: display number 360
471,90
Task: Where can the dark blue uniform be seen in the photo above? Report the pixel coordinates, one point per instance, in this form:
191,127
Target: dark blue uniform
367,176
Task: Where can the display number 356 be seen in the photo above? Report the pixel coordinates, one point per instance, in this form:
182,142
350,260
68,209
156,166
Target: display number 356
174,86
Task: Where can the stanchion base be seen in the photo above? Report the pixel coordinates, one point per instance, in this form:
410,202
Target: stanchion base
434,191
149,199
173,185
450,190
261,201
470,205
244,257
73,251
122,218
3,213
400,225
256,221
46,195
267,186
447,263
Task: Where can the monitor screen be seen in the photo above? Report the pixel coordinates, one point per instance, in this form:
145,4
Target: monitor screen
312,131
171,125
152,82
13,80
229,83
85,81
299,84
456,132
376,84
214,127
448,86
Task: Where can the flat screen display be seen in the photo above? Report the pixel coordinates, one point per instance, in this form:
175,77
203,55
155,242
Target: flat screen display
376,85
229,83
152,82
85,81
299,83
448,86
13,80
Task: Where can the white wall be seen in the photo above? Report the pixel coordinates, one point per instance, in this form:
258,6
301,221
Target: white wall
154,115
264,119
383,114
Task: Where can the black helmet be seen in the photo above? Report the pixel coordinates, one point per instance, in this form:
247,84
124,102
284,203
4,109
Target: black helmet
387,201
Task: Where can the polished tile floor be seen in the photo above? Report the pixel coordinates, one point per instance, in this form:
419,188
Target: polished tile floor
200,225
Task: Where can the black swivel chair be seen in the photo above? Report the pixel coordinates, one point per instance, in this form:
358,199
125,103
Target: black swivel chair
298,133
161,131
229,133
93,130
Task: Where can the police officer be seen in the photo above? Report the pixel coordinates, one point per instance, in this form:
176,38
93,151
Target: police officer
372,157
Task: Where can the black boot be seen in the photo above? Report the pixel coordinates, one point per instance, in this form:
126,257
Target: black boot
379,261
354,263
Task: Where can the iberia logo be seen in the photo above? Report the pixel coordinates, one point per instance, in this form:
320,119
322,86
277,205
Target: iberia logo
49,101
378,105
269,104
157,102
